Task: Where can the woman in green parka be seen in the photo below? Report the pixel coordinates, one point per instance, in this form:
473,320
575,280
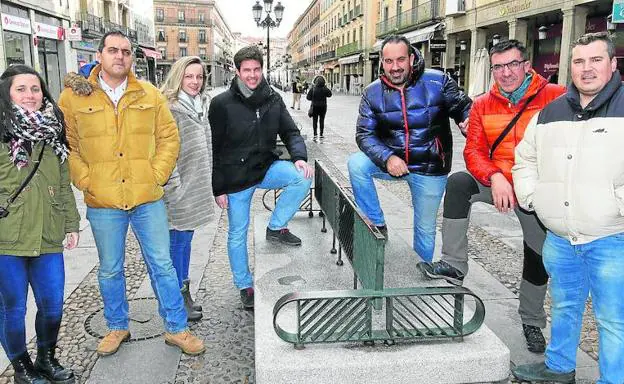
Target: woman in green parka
36,225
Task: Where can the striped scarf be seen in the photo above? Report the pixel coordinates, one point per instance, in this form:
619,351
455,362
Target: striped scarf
35,127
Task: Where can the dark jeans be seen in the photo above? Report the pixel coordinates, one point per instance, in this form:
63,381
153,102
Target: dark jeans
318,113
180,249
46,275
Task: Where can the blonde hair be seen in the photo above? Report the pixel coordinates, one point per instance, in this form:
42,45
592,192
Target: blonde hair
173,83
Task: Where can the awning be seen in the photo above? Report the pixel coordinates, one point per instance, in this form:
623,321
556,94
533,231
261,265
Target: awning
349,59
377,46
423,34
151,53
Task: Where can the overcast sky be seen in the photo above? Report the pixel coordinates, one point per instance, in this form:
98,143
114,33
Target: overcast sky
238,15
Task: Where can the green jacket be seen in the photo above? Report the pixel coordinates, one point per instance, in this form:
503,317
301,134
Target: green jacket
45,210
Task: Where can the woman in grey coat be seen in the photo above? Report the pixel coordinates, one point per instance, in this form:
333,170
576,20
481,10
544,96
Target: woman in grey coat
188,193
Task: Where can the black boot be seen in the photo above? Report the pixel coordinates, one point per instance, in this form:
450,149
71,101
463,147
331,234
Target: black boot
186,284
25,372
191,313
47,365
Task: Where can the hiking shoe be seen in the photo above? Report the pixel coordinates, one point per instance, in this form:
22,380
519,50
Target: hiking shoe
188,344
384,230
539,373
534,338
247,297
443,270
283,235
111,342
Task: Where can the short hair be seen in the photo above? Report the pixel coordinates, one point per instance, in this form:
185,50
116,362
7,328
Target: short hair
396,39
173,82
119,33
589,38
506,45
250,52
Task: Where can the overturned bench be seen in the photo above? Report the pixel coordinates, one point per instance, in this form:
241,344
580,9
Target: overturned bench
303,298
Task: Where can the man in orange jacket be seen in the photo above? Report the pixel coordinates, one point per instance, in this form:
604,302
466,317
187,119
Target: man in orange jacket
496,125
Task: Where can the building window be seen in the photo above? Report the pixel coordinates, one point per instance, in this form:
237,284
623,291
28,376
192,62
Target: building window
202,53
160,14
161,35
183,51
201,17
182,36
181,16
163,52
202,36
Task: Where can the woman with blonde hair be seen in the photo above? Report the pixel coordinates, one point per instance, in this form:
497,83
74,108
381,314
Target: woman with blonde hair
188,193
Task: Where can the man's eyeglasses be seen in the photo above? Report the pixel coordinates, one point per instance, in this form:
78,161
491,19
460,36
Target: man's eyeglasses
512,65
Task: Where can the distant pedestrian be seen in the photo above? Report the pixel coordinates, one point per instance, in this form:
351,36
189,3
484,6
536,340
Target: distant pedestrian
124,145
318,95
297,88
38,214
404,133
188,193
245,122
570,170
499,116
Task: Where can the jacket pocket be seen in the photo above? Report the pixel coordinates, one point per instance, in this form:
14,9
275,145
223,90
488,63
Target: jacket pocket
53,231
141,118
11,225
91,121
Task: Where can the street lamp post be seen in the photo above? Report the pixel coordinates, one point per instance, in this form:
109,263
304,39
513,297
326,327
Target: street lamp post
268,23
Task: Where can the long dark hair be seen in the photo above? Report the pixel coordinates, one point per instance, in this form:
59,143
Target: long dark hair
7,117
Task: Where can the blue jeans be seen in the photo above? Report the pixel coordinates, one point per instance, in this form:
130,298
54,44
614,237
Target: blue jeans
46,275
576,270
149,224
281,174
426,192
180,249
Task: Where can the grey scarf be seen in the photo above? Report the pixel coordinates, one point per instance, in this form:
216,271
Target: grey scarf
192,103
244,89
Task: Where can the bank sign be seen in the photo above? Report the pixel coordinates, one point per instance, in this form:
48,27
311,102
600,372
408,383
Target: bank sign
618,11
15,23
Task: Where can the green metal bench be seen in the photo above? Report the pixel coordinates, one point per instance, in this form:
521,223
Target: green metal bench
418,313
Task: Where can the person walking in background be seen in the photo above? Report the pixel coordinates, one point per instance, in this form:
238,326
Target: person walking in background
404,133
496,124
188,193
318,95
296,90
245,122
124,145
37,215
570,170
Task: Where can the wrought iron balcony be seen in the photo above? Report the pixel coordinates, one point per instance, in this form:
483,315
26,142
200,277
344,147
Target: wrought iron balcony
90,24
422,14
186,21
326,56
349,49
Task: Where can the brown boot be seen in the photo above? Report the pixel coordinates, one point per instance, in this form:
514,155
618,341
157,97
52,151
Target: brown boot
188,343
111,342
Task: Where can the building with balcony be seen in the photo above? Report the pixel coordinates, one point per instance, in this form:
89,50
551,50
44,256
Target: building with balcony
194,28
304,42
546,27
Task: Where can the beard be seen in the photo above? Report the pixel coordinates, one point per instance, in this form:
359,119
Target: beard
398,77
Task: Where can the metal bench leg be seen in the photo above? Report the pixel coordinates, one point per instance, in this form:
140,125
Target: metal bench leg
339,262
324,228
333,250
310,213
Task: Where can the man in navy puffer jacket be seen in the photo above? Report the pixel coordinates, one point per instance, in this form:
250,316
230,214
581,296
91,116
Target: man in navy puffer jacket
404,133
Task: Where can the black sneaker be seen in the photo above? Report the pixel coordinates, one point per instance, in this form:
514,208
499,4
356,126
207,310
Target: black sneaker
283,235
247,298
442,270
539,373
384,230
534,338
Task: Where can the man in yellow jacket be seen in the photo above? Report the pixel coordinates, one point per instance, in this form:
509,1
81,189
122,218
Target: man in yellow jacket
124,145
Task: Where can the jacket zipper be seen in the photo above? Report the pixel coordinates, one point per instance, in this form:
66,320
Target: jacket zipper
405,124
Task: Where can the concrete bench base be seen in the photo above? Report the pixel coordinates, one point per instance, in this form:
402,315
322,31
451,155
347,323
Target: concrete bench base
280,269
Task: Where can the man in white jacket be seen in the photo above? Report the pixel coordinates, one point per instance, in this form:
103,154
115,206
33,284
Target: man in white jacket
570,170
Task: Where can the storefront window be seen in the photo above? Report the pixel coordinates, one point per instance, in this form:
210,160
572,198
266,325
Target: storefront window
49,62
17,48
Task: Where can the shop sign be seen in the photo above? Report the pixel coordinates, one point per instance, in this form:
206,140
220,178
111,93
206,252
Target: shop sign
85,45
617,13
373,56
15,23
73,33
436,45
514,7
49,31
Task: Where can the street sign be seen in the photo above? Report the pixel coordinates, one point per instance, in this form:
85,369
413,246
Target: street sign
618,11
73,34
